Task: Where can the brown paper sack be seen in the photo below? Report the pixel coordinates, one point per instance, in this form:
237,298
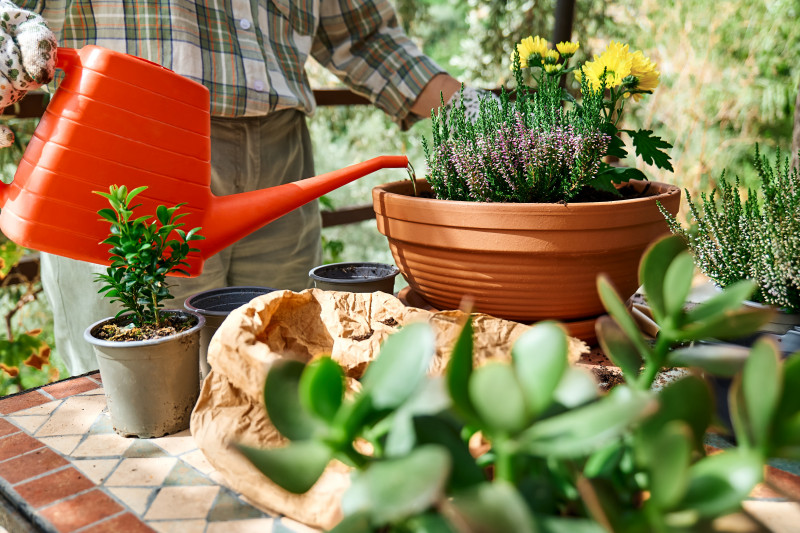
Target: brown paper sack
350,328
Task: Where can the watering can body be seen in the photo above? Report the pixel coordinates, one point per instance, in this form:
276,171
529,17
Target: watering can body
118,119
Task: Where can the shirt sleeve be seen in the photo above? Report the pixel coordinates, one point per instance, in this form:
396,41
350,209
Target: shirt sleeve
360,41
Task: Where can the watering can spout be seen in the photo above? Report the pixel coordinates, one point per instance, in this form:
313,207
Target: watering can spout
229,218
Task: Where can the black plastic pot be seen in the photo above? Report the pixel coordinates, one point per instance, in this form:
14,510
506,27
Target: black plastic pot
355,277
215,305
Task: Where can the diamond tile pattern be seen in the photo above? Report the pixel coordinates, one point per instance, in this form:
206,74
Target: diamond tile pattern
61,460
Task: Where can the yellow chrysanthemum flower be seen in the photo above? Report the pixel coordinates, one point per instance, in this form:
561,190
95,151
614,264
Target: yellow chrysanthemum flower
531,47
645,72
552,68
568,48
551,57
615,61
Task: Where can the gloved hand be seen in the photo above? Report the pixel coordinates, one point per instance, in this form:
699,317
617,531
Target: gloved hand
27,57
471,99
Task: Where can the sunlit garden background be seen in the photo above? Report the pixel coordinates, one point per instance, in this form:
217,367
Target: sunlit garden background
729,79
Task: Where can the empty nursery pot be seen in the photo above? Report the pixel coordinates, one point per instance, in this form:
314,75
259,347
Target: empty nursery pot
355,277
215,305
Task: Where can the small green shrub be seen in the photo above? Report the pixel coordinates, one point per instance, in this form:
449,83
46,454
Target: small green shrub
756,238
143,253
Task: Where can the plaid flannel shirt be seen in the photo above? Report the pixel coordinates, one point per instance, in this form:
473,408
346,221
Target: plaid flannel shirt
251,53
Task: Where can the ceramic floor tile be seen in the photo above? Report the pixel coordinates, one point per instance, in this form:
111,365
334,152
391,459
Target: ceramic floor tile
144,448
31,465
63,445
43,409
228,507
135,472
176,444
7,428
293,526
60,484
778,517
183,474
29,423
104,445
75,416
96,469
22,401
70,387
137,499
182,503
179,526
124,523
82,510
199,461
253,525
17,444
219,479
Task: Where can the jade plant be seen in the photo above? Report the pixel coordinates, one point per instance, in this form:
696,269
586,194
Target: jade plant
531,444
143,253
754,238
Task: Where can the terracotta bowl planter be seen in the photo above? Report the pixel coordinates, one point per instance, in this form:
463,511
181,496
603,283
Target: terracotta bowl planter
522,262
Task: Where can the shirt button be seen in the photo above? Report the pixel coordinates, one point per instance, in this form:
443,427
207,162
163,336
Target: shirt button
258,85
245,24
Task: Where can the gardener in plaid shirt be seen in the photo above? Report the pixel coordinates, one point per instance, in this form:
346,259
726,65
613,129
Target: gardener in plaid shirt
250,54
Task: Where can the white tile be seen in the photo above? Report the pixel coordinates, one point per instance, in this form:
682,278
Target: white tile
141,472
43,409
251,525
75,416
135,498
219,479
778,517
179,526
297,527
96,470
29,423
102,445
64,445
199,461
182,503
176,444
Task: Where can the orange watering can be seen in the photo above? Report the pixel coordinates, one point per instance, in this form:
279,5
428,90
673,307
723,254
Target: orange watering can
119,119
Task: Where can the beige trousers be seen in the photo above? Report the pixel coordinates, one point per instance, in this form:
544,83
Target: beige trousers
246,154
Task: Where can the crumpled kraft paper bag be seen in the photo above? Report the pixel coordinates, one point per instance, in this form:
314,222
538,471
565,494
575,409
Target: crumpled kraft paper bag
348,326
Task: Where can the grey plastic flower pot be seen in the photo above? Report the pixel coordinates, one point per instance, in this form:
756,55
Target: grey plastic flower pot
151,386
215,305
355,277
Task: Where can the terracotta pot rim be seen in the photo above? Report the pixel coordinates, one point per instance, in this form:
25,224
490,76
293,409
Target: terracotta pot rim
393,188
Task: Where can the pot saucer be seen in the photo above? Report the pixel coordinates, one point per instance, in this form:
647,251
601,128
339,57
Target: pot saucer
582,329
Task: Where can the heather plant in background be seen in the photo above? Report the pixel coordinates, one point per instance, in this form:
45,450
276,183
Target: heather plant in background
545,145
755,238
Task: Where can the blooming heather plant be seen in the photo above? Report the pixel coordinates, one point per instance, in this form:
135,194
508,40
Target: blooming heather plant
545,146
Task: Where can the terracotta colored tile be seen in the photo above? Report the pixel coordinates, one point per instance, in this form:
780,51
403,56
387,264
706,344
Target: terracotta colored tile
23,401
30,465
7,428
127,522
785,482
70,387
96,376
81,511
17,444
48,489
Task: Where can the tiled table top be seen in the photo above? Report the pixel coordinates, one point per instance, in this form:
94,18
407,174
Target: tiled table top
64,469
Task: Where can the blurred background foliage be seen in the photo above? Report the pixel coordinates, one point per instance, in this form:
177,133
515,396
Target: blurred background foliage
729,79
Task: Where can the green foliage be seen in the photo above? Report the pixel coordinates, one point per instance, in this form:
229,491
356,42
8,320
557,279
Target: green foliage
564,457
143,253
756,238
25,354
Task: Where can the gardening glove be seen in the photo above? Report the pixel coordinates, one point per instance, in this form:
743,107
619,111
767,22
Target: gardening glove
471,98
27,57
